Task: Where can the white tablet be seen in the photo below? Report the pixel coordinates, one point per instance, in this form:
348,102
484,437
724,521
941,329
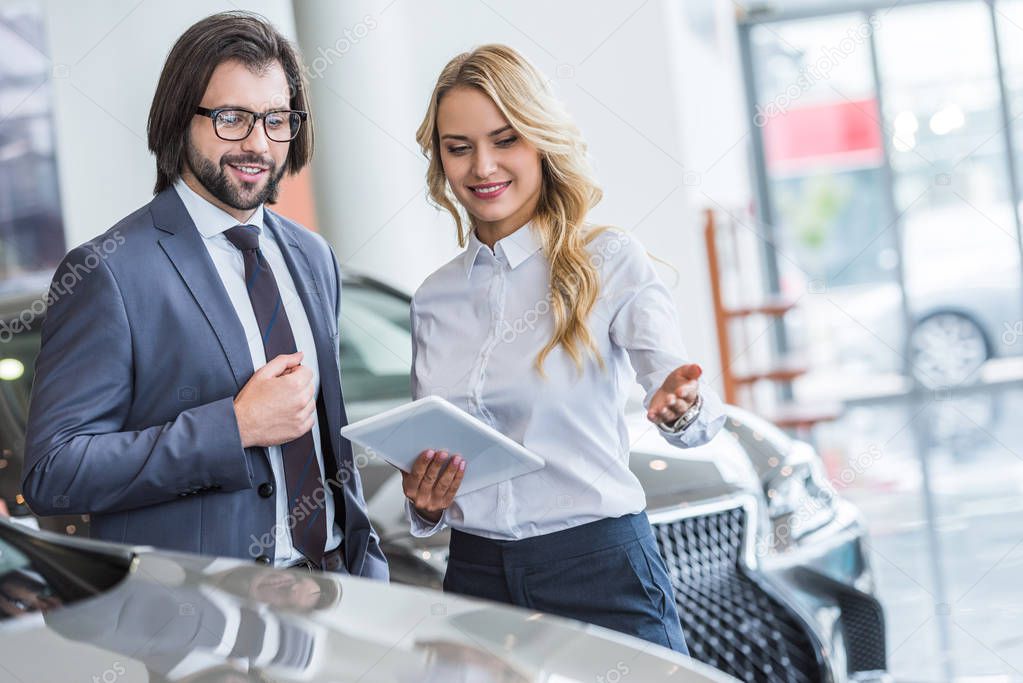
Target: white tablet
399,435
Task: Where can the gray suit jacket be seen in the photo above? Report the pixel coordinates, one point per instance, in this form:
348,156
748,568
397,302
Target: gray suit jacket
132,419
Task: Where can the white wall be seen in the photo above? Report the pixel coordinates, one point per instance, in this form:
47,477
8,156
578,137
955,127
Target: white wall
654,86
107,59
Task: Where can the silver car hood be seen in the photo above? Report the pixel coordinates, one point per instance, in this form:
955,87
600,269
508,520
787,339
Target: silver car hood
185,617
671,475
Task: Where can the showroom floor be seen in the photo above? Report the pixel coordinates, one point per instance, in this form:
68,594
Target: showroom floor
952,587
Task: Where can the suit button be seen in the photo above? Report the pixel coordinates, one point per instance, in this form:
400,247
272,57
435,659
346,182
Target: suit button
262,559
266,489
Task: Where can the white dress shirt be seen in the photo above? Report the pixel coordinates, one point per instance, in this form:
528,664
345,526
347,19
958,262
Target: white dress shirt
211,222
478,324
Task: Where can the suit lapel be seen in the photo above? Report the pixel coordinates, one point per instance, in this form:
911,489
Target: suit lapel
184,247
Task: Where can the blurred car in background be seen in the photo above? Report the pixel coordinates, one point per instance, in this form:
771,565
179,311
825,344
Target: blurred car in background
964,309
769,567
965,306
954,329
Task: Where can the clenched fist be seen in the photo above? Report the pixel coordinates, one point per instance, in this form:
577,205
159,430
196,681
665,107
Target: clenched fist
277,404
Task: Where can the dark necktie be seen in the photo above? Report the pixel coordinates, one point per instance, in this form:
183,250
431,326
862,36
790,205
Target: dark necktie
301,469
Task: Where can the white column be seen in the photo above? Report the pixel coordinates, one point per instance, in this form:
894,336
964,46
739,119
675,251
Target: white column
370,84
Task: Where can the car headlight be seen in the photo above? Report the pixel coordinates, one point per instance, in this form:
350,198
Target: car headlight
800,499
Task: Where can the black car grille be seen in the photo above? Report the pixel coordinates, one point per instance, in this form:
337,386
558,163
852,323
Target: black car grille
729,621
864,631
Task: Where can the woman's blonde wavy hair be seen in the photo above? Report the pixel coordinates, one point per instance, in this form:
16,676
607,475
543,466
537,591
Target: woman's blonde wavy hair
568,190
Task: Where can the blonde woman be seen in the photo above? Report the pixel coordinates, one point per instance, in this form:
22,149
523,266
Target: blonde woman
539,328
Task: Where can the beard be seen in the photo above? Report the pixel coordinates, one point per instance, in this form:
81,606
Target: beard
242,196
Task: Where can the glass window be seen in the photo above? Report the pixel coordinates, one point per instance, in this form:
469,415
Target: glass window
31,227
935,469
818,109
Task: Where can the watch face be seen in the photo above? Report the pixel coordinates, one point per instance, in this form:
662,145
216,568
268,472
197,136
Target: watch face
689,416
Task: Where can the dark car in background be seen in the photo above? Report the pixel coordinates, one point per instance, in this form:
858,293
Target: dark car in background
771,575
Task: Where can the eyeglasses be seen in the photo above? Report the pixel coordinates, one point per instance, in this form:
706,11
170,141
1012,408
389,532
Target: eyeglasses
236,124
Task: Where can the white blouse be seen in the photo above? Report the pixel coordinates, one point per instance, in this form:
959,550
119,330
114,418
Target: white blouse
478,324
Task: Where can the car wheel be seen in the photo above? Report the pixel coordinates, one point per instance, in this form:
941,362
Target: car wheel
946,348
962,424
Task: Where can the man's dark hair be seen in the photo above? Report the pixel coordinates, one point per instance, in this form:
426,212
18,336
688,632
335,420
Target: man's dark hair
242,36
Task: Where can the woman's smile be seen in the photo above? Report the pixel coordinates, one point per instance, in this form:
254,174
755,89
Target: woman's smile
489,191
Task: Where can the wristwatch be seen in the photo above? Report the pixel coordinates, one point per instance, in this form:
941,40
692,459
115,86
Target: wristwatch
687,418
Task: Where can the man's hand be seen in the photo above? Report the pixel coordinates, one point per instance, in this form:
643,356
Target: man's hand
277,404
431,486
676,395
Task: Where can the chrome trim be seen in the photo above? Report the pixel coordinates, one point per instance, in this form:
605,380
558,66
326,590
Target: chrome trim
871,677
848,526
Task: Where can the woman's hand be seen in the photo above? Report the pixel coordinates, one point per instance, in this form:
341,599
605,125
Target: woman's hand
431,486
676,395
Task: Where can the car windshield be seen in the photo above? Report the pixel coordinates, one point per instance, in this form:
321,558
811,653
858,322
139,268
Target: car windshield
763,441
39,575
376,345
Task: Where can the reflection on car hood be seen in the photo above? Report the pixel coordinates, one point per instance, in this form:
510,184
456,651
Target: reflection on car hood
184,617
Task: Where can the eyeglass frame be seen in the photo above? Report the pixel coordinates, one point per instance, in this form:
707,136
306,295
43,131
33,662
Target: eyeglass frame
212,115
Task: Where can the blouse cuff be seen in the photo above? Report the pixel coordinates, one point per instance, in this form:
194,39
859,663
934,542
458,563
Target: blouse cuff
420,526
704,428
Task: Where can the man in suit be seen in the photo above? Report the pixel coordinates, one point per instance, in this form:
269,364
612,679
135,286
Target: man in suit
146,411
